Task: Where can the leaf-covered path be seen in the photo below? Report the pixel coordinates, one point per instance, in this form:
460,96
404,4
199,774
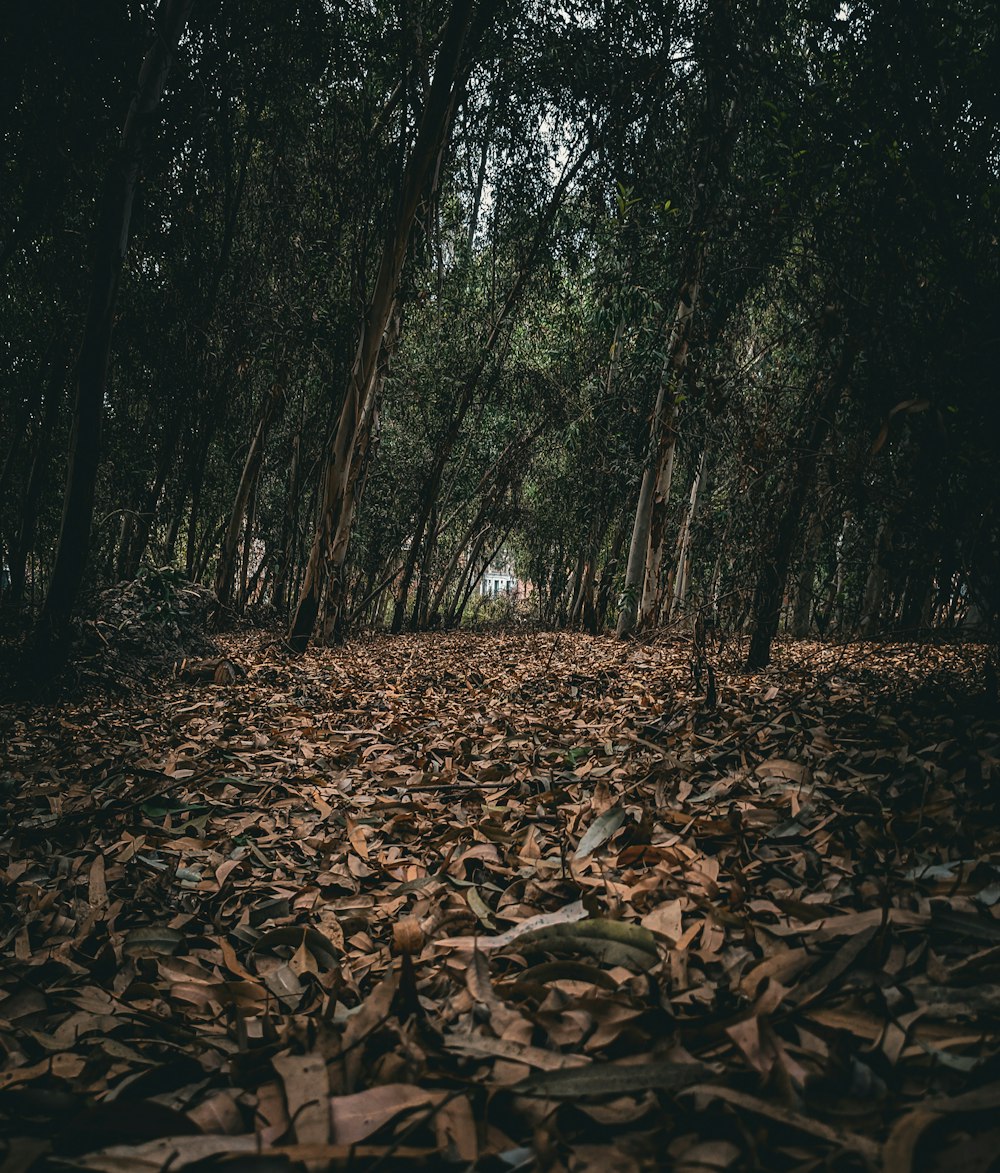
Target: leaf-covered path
495,902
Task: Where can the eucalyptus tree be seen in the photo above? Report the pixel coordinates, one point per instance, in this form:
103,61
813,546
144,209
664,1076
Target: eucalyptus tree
349,451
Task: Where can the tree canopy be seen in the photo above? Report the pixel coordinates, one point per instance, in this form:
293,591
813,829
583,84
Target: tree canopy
684,312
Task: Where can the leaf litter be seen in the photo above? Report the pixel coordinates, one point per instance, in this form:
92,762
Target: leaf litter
506,902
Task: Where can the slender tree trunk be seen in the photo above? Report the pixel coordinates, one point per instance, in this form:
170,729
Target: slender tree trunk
579,586
125,532
334,598
173,529
194,516
917,586
840,595
36,481
823,614
289,524
353,435
645,553
682,566
460,597
95,352
483,159
256,584
456,556
248,530
775,558
608,574
225,575
18,434
927,609
715,590
475,578
871,607
374,592
133,554
955,602
428,496
806,585
418,618
211,535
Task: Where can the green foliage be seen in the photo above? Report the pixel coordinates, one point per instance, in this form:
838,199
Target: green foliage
857,210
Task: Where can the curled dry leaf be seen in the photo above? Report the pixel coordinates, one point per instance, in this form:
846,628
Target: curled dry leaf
408,936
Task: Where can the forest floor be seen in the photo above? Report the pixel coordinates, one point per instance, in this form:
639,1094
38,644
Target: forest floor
506,902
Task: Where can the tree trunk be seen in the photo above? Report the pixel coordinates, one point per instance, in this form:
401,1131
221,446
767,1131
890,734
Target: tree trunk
18,434
474,577
682,566
823,614
92,364
579,586
775,557
142,522
211,535
917,587
460,598
871,607
194,516
806,585
248,528
225,575
289,524
449,571
353,435
418,618
645,553
428,496
132,556
483,159
608,574
174,527
36,480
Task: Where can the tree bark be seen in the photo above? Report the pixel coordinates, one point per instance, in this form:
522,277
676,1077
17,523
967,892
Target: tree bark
92,364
